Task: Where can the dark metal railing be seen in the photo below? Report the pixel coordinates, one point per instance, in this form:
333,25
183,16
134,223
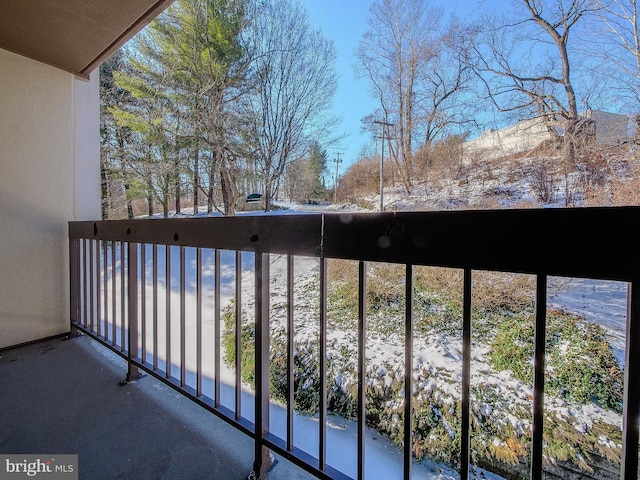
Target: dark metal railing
595,243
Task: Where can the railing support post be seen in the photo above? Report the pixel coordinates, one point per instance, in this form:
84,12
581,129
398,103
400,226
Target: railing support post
362,367
133,372
408,372
631,405
74,287
540,335
262,457
465,427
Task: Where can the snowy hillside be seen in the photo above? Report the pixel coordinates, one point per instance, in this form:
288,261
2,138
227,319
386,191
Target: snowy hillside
526,182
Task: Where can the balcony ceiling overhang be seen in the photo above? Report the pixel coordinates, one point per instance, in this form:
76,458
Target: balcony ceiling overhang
73,35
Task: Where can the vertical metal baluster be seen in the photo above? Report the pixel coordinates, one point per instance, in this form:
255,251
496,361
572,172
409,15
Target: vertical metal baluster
83,271
80,281
155,307
262,461
290,353
199,322
168,311
98,288
466,377
143,299
238,358
183,321
362,370
322,424
114,303
92,318
105,267
216,329
538,378
630,414
133,351
74,273
408,372
123,297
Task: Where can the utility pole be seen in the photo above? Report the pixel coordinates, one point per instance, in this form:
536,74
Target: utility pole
335,183
383,137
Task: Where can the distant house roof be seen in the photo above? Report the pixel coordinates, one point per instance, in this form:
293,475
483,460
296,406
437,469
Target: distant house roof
73,35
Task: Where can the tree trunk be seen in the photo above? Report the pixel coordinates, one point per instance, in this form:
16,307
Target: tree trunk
210,189
210,200
128,200
178,195
104,185
267,196
228,192
196,182
165,207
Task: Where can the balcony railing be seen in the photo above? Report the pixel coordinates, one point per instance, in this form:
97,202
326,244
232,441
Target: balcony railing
152,290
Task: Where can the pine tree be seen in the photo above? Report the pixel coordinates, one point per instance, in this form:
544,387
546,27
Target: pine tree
115,139
185,68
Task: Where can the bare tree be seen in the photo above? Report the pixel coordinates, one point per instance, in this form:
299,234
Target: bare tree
416,68
621,47
527,67
446,106
390,55
295,80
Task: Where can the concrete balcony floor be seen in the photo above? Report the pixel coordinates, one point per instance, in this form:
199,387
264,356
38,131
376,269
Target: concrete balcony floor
62,397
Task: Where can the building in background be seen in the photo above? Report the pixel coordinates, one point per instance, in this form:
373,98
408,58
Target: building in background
604,128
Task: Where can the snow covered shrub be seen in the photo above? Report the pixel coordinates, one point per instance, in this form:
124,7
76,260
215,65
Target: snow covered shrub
306,385
580,363
513,347
571,442
584,384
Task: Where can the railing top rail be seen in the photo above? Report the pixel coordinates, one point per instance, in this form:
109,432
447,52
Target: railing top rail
578,242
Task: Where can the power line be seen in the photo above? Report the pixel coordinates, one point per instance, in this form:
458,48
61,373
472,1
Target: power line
338,161
383,137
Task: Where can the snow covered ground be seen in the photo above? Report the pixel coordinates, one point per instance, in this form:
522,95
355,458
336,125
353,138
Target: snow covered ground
600,301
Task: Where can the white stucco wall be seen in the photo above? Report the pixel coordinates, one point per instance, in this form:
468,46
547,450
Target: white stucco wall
611,129
49,175
517,138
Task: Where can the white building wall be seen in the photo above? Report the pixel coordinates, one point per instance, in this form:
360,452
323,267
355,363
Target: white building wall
611,129
86,122
49,175
517,138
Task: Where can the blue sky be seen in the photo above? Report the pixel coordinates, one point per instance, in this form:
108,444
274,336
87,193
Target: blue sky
344,22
